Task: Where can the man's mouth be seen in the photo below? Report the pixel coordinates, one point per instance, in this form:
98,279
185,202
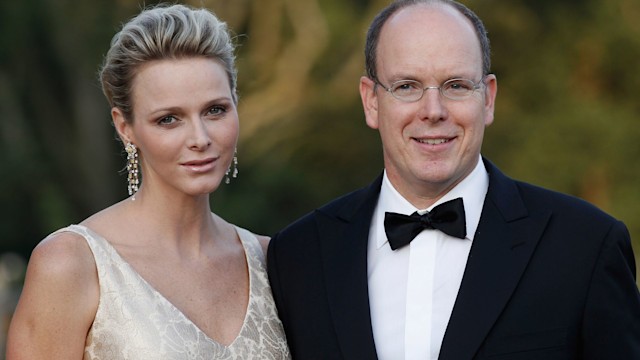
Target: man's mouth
433,141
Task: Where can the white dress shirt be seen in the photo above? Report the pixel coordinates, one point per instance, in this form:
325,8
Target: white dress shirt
412,290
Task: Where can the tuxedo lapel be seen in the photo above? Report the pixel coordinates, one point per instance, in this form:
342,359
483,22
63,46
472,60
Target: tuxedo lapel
506,237
344,233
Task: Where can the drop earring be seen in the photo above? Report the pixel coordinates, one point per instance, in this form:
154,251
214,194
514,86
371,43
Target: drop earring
133,179
234,172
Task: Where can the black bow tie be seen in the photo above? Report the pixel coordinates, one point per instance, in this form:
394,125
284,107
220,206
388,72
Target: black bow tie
447,217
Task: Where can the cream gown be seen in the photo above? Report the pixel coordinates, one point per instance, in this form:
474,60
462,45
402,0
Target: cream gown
134,321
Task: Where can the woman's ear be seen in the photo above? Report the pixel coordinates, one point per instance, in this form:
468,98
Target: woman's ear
123,127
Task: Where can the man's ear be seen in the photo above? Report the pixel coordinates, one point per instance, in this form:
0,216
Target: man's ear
369,101
491,84
123,128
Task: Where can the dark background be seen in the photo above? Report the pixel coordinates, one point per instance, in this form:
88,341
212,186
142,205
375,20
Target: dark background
567,111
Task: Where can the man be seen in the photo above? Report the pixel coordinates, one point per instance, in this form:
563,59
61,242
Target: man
486,267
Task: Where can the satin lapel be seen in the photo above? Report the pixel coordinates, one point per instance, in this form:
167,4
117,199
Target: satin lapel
344,236
506,237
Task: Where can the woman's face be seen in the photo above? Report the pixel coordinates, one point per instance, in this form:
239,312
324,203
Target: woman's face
185,125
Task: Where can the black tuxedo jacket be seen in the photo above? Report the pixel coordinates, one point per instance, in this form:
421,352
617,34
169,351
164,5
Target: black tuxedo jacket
548,277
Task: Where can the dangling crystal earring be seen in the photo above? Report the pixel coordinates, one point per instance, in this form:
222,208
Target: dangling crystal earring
234,174
132,169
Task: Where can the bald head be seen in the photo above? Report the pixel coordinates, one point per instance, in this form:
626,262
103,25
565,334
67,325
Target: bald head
373,34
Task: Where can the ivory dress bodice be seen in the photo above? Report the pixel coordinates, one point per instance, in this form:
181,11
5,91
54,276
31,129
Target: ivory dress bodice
134,321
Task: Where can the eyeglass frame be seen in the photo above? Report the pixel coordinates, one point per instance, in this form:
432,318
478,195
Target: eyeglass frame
476,86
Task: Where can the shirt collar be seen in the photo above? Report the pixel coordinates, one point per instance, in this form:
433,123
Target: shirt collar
471,189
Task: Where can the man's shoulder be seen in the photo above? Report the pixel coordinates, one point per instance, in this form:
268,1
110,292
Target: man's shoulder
342,206
570,214
348,200
565,217
559,202
535,197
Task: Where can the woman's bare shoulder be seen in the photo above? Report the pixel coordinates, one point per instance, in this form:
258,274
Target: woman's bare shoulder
64,257
60,296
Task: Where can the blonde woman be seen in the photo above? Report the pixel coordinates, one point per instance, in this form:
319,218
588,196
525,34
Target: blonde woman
158,275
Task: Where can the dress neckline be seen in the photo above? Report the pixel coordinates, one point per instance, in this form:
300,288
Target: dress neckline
250,267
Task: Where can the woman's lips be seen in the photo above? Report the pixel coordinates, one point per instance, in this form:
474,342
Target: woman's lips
200,166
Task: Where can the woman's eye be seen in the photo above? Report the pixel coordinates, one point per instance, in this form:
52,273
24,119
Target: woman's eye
216,110
167,120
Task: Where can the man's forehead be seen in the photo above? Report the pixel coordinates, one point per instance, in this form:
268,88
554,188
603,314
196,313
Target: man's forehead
429,30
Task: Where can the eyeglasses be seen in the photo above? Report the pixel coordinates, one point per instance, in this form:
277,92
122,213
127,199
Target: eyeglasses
411,90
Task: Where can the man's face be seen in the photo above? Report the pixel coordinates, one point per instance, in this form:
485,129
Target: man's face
429,145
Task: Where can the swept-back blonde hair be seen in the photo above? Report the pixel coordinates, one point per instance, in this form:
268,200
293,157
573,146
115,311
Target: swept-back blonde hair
164,32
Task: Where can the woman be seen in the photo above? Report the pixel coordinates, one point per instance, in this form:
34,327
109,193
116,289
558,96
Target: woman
158,276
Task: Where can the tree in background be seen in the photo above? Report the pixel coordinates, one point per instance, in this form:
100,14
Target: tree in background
566,111
566,115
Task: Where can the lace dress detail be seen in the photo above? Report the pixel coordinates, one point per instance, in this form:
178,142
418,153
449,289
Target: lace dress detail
134,321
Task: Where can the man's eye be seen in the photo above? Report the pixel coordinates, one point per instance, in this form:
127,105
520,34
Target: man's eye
460,85
407,87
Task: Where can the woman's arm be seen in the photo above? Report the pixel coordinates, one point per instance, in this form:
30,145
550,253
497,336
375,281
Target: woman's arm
58,301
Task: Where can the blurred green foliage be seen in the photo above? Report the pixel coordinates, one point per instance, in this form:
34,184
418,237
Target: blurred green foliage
566,118
566,114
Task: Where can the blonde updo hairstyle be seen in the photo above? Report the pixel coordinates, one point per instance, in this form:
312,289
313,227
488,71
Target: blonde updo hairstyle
158,33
